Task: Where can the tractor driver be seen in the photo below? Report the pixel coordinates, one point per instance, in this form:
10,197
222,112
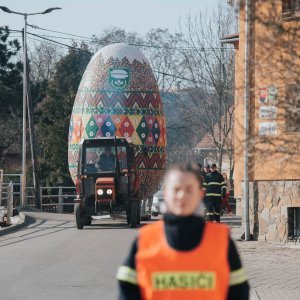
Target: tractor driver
107,160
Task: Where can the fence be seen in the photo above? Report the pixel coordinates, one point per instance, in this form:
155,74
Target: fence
57,199
16,180
6,201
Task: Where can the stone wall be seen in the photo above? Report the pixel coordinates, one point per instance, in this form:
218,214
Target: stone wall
269,203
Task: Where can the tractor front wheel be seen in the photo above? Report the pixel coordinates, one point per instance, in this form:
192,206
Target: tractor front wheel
78,216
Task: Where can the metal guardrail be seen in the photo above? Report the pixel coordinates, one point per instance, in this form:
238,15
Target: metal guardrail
16,179
6,202
53,198
57,199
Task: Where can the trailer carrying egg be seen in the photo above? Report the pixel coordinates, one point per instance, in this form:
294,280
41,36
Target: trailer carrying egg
118,109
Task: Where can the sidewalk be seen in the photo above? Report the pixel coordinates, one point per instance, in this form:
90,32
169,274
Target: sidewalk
273,269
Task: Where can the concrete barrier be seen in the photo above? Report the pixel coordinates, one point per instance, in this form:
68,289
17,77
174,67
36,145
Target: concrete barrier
15,227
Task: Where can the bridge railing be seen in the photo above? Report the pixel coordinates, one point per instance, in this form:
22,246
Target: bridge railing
6,203
16,180
59,199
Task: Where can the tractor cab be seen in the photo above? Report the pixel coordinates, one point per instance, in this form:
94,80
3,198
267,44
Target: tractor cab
107,179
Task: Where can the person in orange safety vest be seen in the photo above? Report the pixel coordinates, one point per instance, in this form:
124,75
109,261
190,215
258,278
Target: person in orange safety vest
182,256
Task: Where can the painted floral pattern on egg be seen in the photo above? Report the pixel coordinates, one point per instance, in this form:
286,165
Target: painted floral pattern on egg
118,95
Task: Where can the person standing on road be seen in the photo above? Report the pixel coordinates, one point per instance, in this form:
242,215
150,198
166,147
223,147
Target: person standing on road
215,187
182,256
226,197
202,172
207,169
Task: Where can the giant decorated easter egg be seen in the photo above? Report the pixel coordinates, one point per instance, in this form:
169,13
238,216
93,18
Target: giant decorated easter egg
119,96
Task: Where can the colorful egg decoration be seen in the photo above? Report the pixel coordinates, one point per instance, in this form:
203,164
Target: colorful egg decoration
119,96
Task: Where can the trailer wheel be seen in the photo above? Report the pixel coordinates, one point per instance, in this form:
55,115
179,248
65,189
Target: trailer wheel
128,216
78,215
139,213
88,221
133,214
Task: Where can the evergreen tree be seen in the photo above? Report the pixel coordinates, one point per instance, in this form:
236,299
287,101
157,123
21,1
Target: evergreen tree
54,117
10,91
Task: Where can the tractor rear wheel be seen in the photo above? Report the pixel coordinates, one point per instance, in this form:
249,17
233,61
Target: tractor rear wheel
79,216
134,214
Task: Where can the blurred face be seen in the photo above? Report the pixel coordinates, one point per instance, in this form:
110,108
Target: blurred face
213,169
224,175
182,193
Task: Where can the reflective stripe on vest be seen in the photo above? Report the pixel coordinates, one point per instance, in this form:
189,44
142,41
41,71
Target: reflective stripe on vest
165,273
237,277
214,183
127,274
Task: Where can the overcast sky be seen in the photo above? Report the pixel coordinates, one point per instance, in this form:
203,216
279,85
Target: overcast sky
87,17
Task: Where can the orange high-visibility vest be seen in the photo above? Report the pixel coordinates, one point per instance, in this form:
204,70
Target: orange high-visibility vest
166,273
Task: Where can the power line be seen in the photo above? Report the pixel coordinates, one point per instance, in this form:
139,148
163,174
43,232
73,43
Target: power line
13,30
163,73
59,43
174,76
134,44
61,37
180,48
48,43
79,49
70,34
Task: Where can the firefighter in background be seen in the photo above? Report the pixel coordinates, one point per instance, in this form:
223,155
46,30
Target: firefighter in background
215,187
167,263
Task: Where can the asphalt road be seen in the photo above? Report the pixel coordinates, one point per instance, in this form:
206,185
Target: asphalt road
51,259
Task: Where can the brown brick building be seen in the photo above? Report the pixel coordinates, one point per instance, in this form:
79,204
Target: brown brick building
274,144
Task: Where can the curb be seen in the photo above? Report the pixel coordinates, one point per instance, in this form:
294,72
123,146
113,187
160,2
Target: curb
22,223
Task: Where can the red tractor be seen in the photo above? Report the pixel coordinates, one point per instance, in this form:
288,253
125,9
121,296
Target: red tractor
107,181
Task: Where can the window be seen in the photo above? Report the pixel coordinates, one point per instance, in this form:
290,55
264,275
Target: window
122,157
99,160
292,108
290,8
293,223
103,159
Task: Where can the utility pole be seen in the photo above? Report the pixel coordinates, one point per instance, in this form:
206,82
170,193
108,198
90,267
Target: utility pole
23,181
25,15
222,102
248,16
33,148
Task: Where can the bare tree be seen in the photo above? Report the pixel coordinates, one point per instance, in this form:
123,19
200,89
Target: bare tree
161,50
43,58
209,68
114,35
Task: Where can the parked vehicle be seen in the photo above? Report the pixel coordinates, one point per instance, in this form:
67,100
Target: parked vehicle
158,199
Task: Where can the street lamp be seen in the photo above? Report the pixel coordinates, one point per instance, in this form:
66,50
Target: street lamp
25,15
